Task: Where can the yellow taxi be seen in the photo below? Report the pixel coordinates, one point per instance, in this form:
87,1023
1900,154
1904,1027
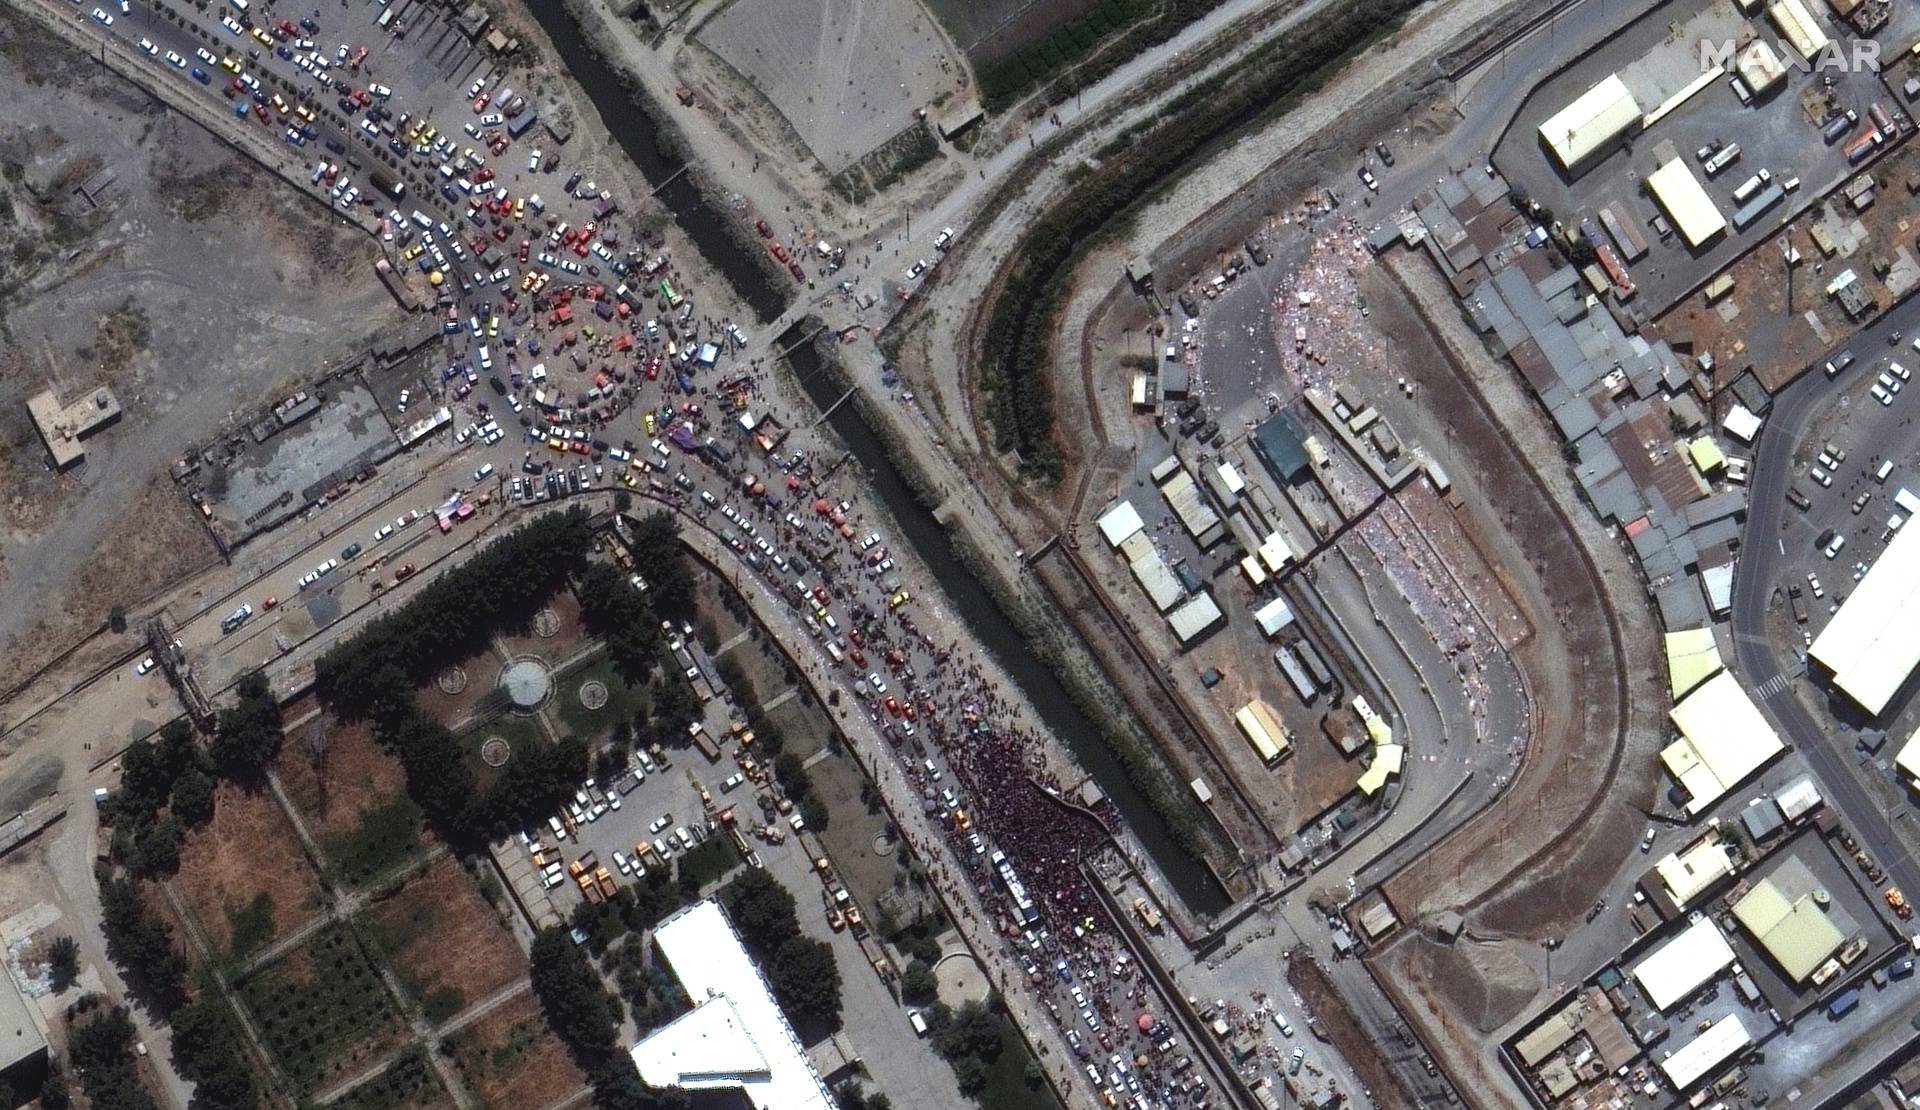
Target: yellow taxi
230,63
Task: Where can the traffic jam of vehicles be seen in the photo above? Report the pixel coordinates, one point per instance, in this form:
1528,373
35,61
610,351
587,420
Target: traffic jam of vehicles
592,344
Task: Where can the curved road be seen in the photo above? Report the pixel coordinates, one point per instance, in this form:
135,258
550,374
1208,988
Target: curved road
1758,574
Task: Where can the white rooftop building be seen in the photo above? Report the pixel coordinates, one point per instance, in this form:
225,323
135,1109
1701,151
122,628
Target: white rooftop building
1593,120
1723,738
735,1038
1684,964
1873,642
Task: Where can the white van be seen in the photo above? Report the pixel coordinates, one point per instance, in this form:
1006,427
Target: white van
486,358
919,1023
1880,475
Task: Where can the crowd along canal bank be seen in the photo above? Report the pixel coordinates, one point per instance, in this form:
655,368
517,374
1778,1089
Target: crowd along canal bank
627,117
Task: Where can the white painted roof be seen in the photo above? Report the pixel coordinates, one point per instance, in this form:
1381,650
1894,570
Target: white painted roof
1723,739
735,1038
1698,1057
1686,202
1594,118
1119,522
1873,642
1684,964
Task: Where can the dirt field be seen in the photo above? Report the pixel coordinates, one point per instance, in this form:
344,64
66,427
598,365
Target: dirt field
510,1058
1756,318
989,29
1307,977
335,774
216,290
851,81
246,853
445,942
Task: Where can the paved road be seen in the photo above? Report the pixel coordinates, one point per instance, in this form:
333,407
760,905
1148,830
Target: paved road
1757,575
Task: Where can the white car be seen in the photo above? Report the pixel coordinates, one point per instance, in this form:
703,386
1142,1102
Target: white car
231,25
533,161
101,17
147,48
660,822
480,475
144,665
205,55
879,685
381,91
491,119
175,60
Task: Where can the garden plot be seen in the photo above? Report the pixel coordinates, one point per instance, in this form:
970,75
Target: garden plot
243,875
445,942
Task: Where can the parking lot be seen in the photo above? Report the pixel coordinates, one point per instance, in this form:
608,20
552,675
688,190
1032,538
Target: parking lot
1779,132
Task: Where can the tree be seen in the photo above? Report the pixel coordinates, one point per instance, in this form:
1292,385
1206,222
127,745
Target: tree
761,909
618,615
192,800
571,994
139,942
806,981
63,960
117,619
53,1091
156,848
208,1050
100,1048
918,983
248,735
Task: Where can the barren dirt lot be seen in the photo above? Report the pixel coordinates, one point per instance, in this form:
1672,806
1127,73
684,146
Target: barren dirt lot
187,281
444,941
846,74
510,1058
334,774
243,875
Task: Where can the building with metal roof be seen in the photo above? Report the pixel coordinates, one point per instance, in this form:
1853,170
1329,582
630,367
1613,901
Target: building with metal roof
1723,739
1686,203
1195,618
1262,728
1282,445
1692,658
1687,875
1795,921
1684,964
1873,643
1699,1057
1591,123
735,1038
1119,522
1798,27
1273,617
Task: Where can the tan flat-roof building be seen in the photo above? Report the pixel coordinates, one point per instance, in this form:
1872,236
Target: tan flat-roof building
64,426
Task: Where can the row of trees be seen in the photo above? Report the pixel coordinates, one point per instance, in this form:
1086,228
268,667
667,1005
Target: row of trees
453,615
587,1018
167,783
801,971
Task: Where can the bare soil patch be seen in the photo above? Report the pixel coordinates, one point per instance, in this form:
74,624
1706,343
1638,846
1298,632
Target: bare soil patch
511,1059
334,774
446,943
1353,1043
243,875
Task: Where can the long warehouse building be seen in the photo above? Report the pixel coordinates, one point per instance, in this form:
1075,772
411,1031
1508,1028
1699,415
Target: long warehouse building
1873,643
1686,203
1591,123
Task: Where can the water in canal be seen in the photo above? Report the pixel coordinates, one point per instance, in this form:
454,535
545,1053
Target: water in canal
631,128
